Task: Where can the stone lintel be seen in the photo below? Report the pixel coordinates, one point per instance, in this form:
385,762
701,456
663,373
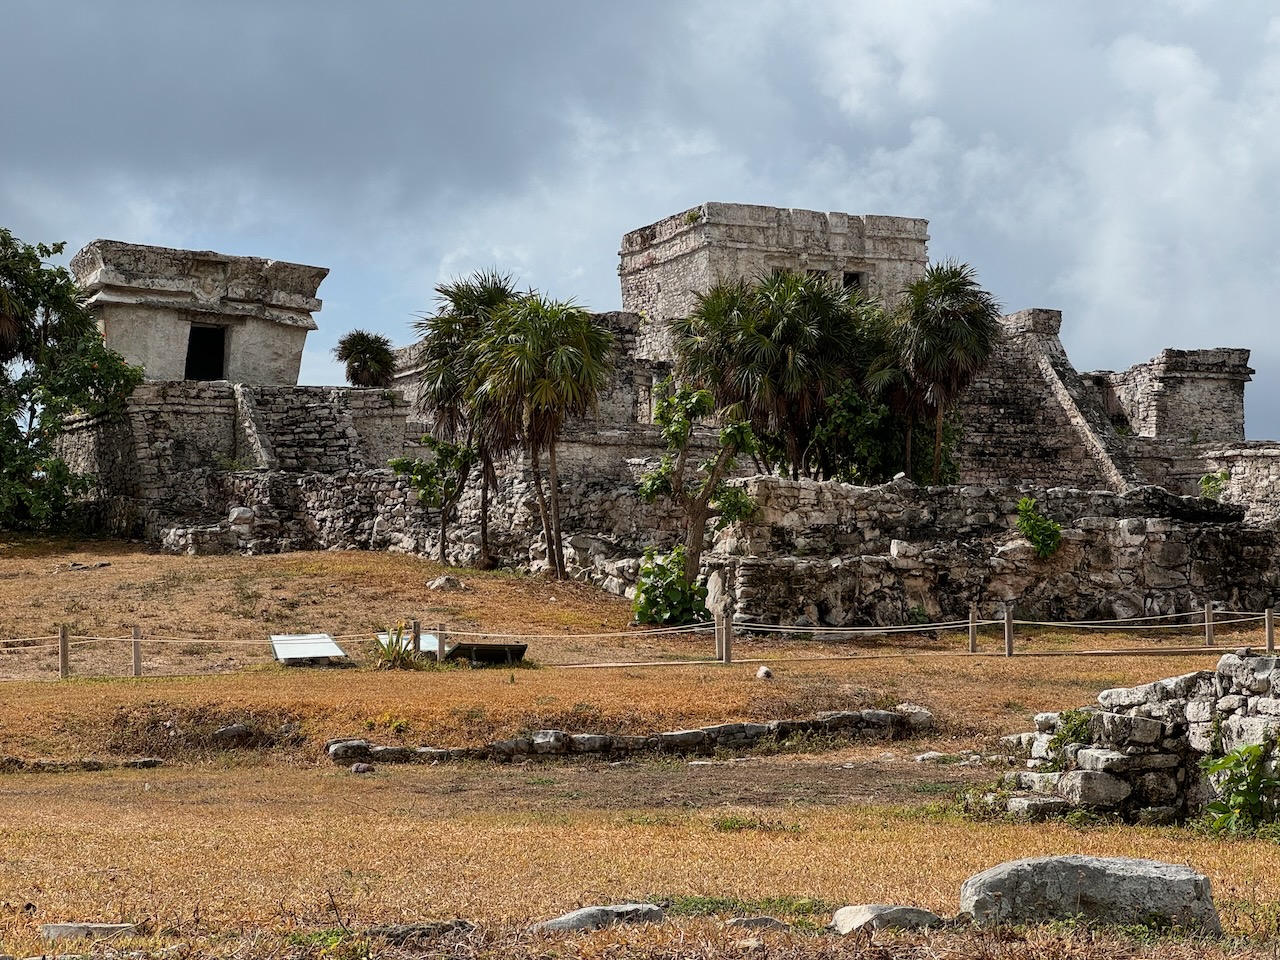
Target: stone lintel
111,271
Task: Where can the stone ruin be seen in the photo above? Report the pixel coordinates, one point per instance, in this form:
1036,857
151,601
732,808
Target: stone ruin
1137,753
214,458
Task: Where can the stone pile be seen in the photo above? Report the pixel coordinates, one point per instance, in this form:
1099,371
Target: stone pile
1137,753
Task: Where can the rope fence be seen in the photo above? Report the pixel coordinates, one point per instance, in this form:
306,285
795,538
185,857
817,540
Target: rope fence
725,629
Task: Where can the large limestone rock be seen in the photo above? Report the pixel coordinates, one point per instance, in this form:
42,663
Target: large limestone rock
1116,890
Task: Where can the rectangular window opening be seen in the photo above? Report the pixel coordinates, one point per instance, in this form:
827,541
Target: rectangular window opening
206,353
852,280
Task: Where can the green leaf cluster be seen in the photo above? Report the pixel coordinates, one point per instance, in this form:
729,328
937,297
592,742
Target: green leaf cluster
1214,485
438,481
1045,535
1248,789
53,365
663,595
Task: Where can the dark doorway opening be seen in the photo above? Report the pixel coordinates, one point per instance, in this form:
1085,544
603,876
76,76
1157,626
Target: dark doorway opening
206,353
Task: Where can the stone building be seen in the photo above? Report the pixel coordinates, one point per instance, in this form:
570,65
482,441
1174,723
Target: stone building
260,464
199,315
665,265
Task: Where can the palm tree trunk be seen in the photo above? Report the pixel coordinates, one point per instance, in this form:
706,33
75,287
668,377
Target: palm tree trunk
911,428
542,502
937,449
554,472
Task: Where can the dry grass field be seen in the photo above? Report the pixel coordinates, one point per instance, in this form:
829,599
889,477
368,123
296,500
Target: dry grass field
278,853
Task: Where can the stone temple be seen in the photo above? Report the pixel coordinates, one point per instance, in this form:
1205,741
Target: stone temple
197,315
221,451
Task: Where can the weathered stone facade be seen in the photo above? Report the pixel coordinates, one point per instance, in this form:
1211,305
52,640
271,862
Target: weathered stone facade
827,554
199,315
666,264
1195,395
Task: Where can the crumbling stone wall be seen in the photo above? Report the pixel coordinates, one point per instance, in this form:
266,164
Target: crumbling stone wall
161,462
837,555
664,265
1139,749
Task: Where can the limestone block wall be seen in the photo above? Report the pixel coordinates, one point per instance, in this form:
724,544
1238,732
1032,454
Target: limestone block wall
1030,418
666,264
830,554
1253,479
160,462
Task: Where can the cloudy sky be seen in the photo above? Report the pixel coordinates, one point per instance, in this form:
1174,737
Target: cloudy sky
1119,161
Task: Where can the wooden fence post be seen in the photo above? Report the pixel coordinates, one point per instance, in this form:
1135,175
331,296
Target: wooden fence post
137,651
726,641
1208,623
973,627
719,634
1008,630
1271,630
417,637
442,648
64,652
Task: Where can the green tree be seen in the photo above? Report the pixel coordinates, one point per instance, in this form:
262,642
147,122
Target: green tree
450,352
439,481
541,362
699,491
940,337
369,358
774,351
53,364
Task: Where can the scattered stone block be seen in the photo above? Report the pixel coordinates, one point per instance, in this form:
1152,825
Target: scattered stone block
1087,788
344,750
1116,890
362,768
1037,807
882,916
85,931
597,918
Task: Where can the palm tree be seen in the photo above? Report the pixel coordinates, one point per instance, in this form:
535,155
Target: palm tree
773,351
544,361
450,343
369,358
941,336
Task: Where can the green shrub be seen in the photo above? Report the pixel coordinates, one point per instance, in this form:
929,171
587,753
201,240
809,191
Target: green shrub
662,594
395,652
1214,485
1248,789
1044,534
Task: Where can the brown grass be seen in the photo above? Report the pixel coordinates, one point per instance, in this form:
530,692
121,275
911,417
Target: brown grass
233,853
194,853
